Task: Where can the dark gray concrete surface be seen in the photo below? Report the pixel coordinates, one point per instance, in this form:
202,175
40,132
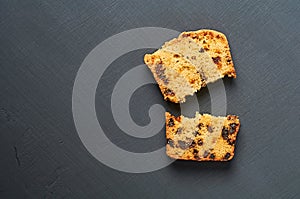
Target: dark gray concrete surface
42,45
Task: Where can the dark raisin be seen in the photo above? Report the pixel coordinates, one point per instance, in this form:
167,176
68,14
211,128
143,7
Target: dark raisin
170,142
196,133
231,142
205,154
200,142
228,60
201,49
225,134
176,55
193,57
182,144
179,131
171,122
212,156
169,92
232,128
216,59
195,151
160,71
159,68
200,125
209,128
227,156
204,41
193,144
166,81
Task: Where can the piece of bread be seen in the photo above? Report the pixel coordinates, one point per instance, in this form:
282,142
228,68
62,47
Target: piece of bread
202,138
216,45
193,60
179,79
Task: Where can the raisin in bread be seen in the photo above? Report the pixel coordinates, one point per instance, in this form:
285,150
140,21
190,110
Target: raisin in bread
202,138
193,60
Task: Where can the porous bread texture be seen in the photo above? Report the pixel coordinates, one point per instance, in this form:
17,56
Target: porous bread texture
216,45
199,57
201,60
177,80
202,138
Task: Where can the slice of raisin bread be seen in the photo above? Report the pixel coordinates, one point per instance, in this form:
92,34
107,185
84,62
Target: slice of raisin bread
193,59
202,138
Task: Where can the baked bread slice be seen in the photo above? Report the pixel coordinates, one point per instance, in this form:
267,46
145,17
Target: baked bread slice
202,138
193,60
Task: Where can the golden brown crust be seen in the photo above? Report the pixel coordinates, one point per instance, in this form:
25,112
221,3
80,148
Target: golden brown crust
198,145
